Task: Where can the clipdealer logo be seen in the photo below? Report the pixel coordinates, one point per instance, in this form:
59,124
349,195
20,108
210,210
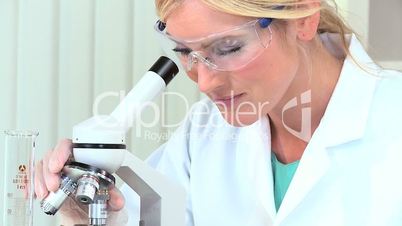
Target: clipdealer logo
305,103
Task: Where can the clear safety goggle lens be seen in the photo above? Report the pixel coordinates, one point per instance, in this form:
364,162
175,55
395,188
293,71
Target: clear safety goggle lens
224,51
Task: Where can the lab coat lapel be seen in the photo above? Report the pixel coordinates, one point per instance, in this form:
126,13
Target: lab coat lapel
312,167
344,120
347,112
255,170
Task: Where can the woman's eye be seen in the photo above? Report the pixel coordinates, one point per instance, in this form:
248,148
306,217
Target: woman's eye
227,47
182,51
227,51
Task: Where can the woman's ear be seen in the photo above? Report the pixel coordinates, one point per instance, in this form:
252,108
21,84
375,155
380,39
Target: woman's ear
307,27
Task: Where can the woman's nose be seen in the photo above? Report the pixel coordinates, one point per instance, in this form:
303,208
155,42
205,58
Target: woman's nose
208,79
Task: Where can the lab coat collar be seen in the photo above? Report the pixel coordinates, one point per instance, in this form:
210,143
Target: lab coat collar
344,120
347,112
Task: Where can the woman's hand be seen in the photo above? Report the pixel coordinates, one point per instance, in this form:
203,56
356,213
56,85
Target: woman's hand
47,178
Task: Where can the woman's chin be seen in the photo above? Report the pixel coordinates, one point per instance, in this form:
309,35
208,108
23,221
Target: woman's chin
240,121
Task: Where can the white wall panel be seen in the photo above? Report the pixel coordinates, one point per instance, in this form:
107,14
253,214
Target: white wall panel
37,63
37,73
76,63
112,52
8,70
8,61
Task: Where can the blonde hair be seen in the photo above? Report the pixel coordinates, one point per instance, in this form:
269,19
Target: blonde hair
330,20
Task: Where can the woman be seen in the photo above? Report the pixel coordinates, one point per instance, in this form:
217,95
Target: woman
300,127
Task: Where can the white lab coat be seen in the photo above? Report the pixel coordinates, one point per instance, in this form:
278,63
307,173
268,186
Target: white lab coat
349,175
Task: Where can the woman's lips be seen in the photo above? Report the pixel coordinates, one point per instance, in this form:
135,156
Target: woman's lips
228,101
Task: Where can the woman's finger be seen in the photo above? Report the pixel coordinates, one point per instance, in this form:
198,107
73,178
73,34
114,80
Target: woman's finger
116,201
52,180
60,155
40,187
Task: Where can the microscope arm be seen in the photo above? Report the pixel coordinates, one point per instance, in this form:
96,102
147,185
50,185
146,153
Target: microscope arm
161,199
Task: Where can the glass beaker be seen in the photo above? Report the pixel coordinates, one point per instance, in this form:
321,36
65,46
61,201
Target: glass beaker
19,174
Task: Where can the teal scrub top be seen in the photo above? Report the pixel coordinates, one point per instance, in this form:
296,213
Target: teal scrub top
283,175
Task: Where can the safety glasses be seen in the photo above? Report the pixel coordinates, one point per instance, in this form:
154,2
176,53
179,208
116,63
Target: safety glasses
228,50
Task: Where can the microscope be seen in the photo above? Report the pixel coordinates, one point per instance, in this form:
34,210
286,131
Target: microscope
99,152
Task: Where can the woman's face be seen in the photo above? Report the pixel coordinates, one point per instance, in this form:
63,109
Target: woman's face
244,95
